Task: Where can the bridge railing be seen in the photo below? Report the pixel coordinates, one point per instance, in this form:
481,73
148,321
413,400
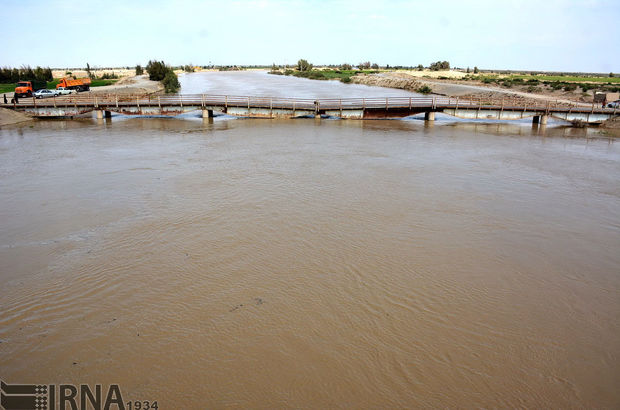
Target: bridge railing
211,100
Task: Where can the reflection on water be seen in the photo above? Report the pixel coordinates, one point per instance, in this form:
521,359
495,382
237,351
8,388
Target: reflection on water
312,263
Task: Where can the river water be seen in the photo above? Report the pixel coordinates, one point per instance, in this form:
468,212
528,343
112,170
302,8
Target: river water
312,263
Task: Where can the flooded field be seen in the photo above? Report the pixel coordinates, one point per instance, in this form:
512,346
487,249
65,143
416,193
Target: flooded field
312,263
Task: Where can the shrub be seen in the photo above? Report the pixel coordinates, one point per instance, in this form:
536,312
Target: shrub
440,65
139,70
556,85
345,79
345,66
476,70
425,89
90,74
157,70
570,87
316,75
304,65
171,82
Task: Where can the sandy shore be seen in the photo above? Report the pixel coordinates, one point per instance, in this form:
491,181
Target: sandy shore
8,117
139,84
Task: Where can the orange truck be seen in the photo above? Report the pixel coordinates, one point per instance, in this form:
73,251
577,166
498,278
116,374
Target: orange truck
26,88
81,84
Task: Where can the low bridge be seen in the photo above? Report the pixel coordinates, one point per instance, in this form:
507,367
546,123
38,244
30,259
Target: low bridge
276,107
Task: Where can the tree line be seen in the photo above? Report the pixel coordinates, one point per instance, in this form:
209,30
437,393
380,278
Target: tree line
25,73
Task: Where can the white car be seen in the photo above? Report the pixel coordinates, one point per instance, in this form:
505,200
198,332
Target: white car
65,91
614,104
45,93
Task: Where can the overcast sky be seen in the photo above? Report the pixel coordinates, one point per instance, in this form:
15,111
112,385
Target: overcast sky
561,35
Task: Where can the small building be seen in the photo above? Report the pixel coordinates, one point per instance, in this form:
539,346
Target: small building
604,98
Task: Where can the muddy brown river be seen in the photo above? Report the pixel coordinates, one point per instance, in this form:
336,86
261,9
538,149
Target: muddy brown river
307,263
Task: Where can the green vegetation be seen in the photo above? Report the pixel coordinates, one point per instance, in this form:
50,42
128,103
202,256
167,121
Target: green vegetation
108,76
327,74
26,73
567,83
7,88
440,65
159,71
171,82
88,72
139,70
99,82
425,89
189,68
304,65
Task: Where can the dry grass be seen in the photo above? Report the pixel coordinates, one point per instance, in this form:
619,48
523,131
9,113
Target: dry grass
433,74
120,72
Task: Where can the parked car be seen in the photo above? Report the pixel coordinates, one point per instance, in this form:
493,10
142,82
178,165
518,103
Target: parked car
65,91
45,93
614,104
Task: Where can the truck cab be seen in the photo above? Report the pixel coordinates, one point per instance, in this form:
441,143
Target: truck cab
23,89
26,88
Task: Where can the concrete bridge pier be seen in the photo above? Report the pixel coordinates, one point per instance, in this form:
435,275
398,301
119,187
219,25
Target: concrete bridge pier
429,116
101,114
207,113
540,119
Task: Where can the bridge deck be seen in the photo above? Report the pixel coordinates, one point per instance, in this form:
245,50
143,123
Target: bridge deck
405,105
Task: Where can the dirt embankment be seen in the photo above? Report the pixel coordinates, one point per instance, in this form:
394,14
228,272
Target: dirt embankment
612,124
452,87
391,80
139,84
8,117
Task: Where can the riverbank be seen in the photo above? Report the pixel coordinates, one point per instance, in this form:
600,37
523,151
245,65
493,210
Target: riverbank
451,85
128,85
139,84
8,117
